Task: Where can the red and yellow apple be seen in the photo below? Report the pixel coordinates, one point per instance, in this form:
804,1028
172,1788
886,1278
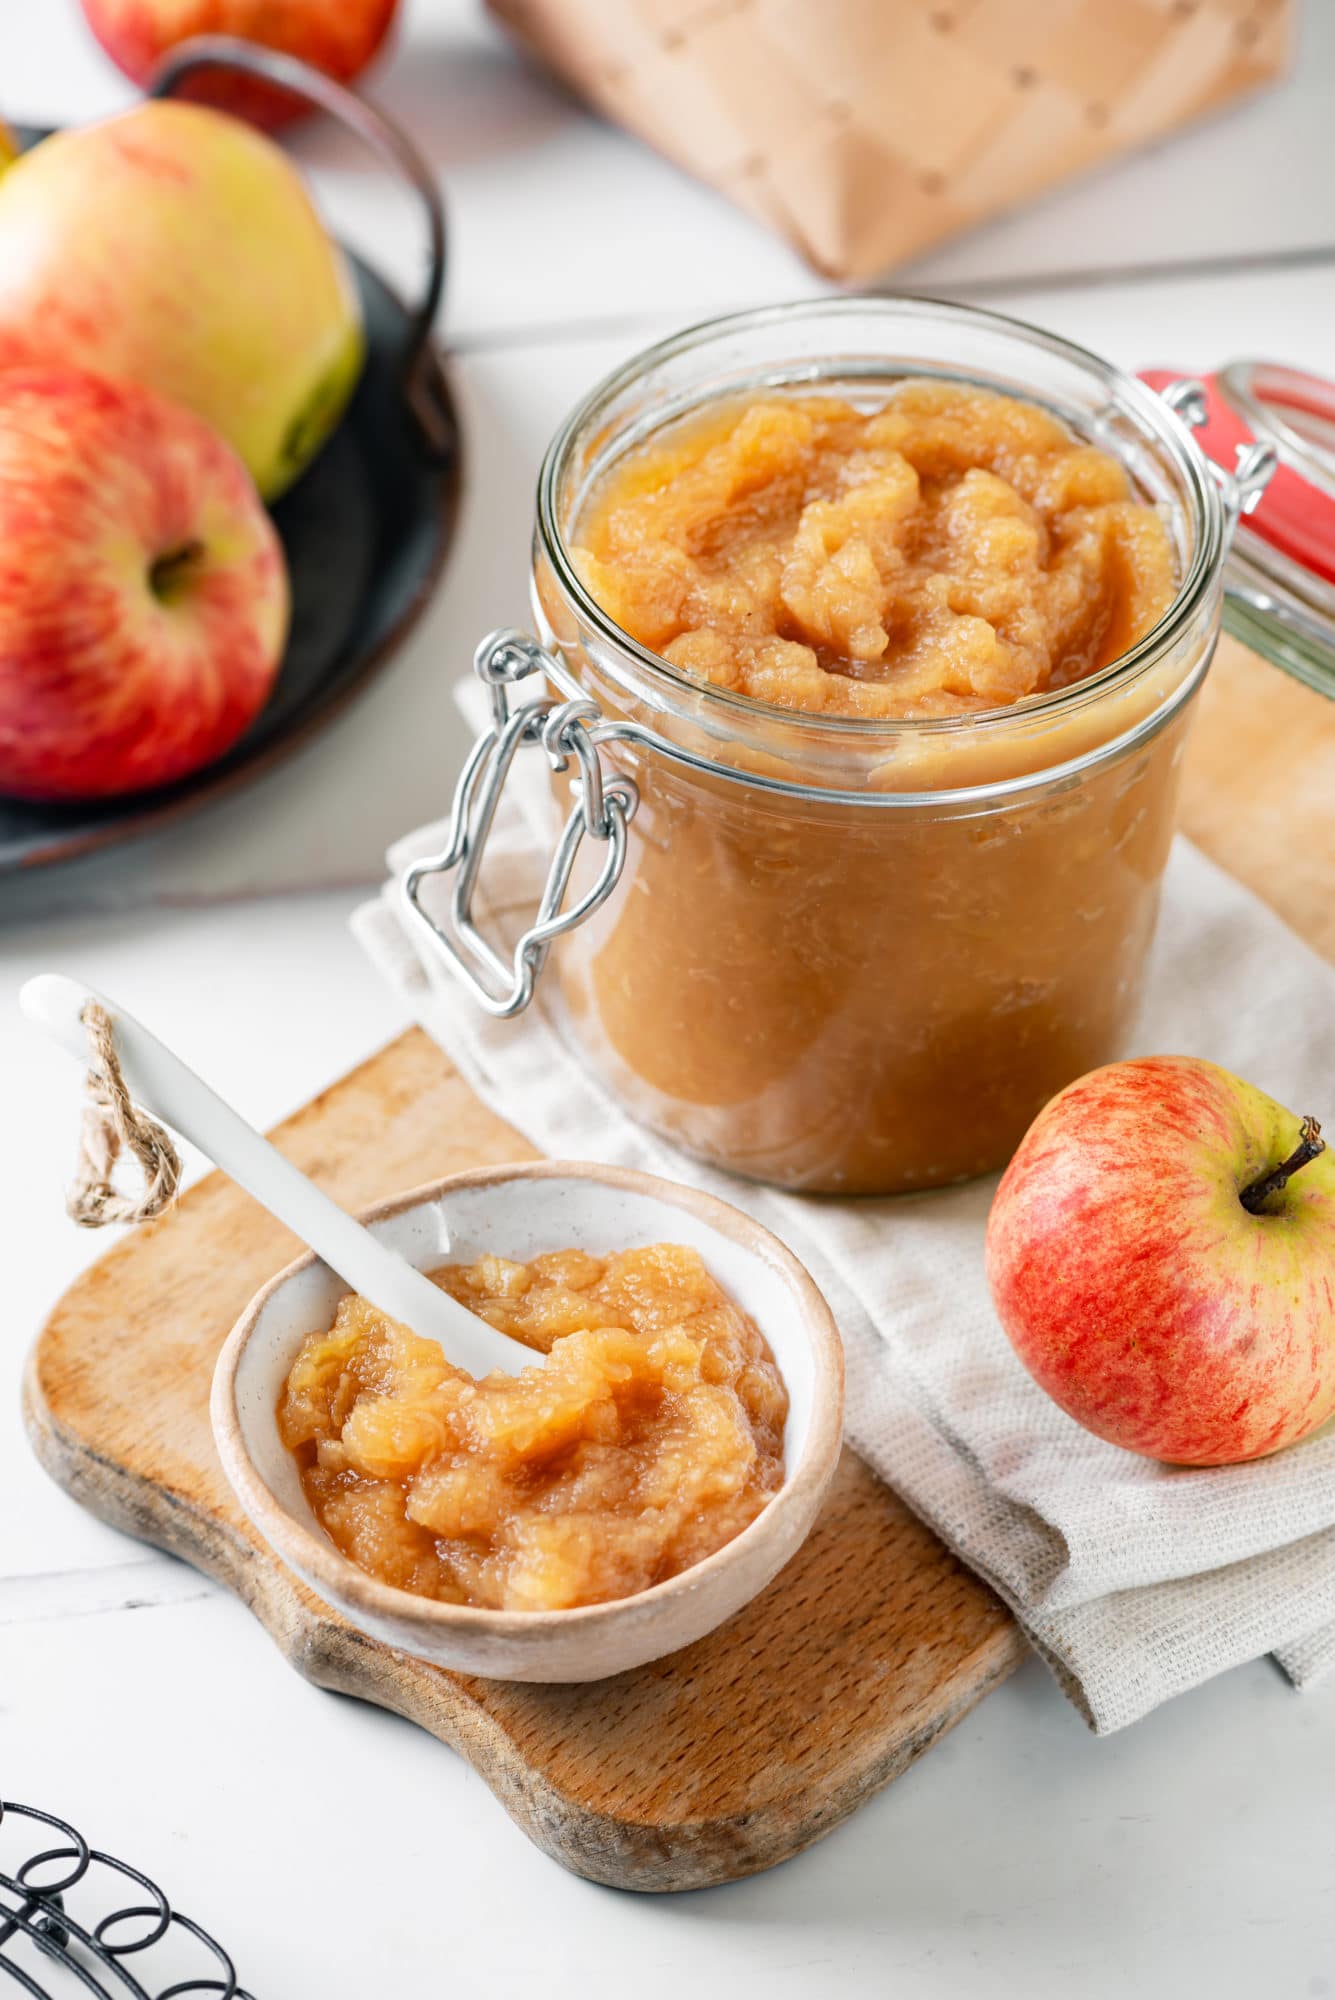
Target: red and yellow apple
177,247
337,36
143,592
1161,1251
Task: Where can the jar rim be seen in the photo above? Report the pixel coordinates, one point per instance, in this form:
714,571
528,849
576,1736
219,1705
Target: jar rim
1126,391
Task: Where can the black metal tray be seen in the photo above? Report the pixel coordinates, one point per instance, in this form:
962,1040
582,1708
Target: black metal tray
365,530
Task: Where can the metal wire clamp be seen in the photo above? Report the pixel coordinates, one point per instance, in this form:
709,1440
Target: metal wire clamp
1256,464
605,803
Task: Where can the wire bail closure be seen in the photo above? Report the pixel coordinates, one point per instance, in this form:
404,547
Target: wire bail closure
1255,464
605,803
1279,572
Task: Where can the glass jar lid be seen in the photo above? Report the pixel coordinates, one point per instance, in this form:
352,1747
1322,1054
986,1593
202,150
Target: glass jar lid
1280,573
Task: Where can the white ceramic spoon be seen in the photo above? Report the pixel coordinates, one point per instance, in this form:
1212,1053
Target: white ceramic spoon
162,1083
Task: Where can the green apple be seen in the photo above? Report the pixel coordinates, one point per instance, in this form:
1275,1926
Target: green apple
176,247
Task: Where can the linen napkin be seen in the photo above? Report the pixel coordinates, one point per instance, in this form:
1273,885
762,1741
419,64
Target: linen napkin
1135,1581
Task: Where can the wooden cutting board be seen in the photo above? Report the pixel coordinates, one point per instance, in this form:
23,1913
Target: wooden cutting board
740,1751
1259,789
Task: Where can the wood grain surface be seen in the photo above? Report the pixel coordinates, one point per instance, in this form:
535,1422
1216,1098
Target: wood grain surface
1259,788
741,1750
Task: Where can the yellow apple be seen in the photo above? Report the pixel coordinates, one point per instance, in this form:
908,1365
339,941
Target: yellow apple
177,247
9,146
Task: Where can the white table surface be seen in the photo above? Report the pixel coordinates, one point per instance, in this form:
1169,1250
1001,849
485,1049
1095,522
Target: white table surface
1190,1855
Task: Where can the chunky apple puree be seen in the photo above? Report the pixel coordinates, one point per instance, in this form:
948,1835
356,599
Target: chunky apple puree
650,1437
951,551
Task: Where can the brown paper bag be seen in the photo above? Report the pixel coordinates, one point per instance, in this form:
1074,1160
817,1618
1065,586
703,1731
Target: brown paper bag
865,130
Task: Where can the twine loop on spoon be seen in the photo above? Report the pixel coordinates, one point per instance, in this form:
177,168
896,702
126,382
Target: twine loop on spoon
112,1125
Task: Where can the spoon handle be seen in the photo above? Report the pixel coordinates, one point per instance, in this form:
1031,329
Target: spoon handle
163,1084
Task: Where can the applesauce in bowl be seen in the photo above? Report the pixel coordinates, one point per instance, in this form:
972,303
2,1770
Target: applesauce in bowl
891,614
652,1436
579,1518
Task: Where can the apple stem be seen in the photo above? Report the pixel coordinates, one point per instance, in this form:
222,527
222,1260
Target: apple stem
169,570
1310,1143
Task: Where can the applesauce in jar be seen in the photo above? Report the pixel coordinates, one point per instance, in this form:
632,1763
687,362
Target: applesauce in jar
947,552
892,613
651,1436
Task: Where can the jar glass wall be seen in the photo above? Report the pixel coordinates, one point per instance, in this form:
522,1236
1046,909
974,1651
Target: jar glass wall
859,955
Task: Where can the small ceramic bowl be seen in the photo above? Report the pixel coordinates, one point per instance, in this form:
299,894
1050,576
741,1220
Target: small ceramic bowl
519,1212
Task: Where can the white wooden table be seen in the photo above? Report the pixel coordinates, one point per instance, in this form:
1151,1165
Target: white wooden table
1190,1855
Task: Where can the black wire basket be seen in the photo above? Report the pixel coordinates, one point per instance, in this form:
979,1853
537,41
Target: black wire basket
74,1920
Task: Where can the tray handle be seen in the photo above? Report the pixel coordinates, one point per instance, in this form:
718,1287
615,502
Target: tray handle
422,383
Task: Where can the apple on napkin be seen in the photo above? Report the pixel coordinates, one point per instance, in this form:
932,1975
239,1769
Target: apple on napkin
1161,1252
